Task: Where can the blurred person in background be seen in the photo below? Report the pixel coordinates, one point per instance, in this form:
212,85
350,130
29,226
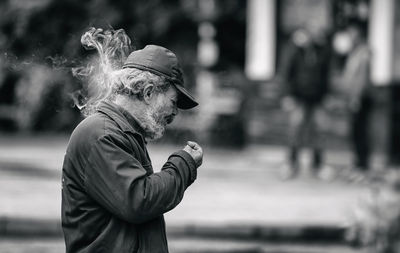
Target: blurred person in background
357,87
112,201
304,72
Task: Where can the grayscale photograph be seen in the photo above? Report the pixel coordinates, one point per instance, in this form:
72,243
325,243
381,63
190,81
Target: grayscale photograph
199,126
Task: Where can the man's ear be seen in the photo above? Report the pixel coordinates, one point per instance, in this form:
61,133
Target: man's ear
148,92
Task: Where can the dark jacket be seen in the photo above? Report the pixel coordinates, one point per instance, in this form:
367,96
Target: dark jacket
112,201
305,71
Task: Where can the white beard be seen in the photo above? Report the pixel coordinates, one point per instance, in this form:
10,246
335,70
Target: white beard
153,130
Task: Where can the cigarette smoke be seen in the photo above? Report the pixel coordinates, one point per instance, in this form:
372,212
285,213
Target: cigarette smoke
112,48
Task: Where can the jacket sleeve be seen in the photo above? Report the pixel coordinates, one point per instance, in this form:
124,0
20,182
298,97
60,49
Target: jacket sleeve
119,182
356,73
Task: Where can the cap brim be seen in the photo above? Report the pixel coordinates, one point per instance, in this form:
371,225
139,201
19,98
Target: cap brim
185,100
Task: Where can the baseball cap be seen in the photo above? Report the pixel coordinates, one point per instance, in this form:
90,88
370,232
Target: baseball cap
163,62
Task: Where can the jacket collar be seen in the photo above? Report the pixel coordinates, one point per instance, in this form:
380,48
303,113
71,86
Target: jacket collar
122,117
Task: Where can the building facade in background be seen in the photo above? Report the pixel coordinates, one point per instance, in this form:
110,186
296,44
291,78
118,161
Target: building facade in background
266,31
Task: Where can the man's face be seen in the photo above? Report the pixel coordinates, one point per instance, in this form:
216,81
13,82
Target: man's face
163,108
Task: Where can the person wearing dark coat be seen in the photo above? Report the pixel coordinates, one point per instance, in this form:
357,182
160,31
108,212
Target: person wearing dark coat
112,200
304,73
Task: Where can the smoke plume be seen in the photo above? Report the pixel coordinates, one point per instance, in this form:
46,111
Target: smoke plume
112,48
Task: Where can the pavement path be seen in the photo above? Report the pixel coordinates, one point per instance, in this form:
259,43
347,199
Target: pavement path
52,245
235,188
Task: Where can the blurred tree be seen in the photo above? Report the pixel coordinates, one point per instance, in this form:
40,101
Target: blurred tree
231,34
47,33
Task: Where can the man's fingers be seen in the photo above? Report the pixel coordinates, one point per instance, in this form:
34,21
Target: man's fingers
195,151
193,144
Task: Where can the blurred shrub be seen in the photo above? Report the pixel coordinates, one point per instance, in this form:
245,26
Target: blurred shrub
40,42
376,224
43,102
33,31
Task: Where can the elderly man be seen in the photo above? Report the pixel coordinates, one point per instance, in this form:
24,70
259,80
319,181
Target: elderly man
112,201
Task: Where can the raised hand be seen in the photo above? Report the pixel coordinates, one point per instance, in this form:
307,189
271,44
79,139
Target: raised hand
195,151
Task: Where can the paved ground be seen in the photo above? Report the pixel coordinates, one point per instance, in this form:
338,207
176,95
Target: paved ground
184,246
233,186
235,189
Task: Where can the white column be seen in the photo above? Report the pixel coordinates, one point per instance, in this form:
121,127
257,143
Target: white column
381,29
261,39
